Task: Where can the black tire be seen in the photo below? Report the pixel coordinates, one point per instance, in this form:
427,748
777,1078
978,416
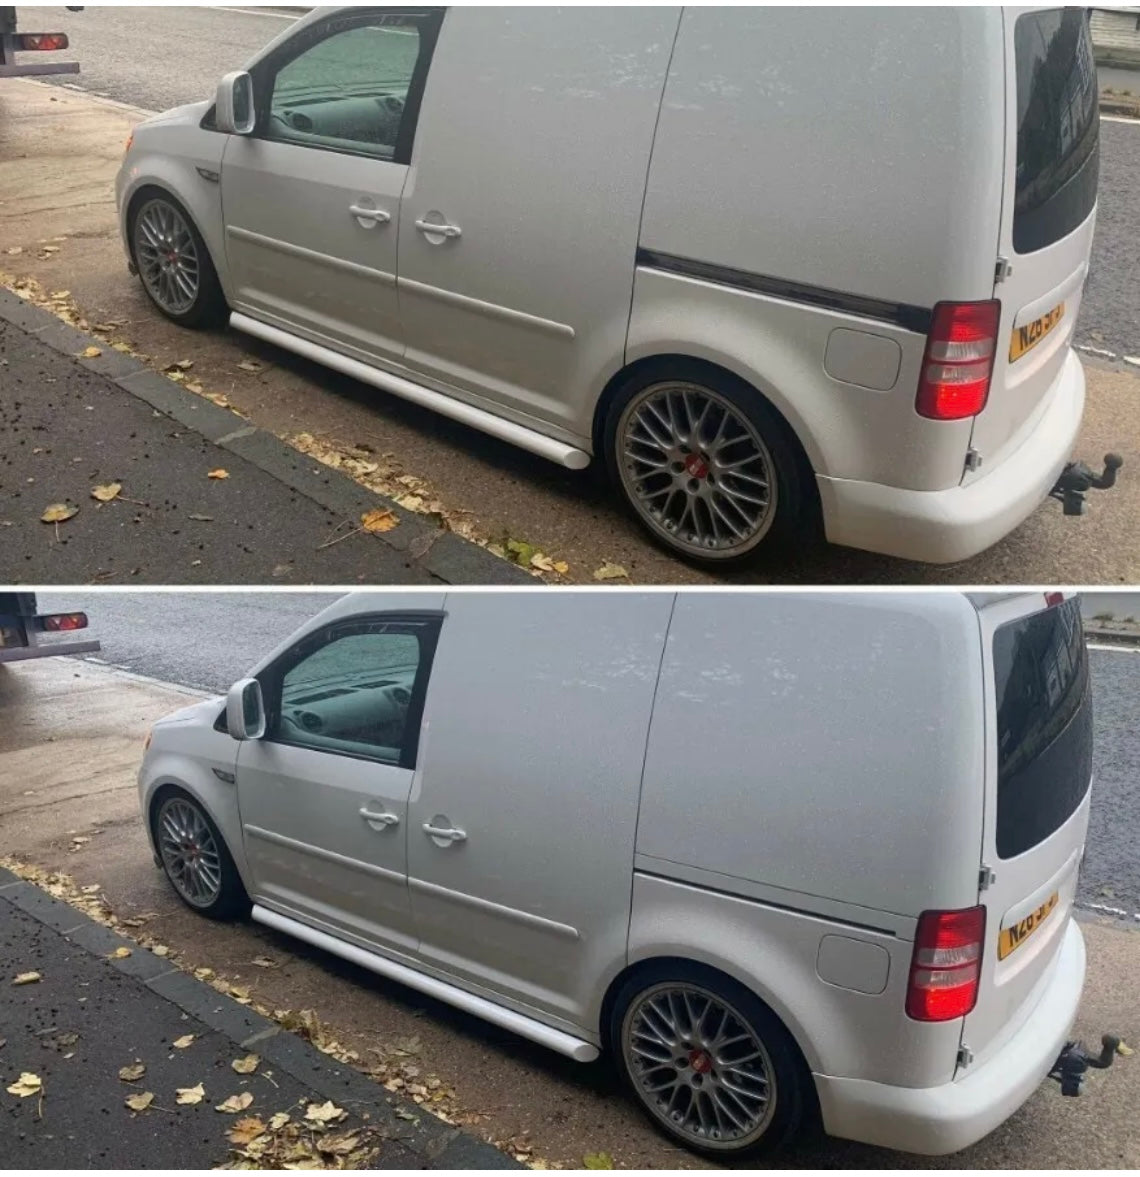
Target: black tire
209,308
794,1095
794,521
231,901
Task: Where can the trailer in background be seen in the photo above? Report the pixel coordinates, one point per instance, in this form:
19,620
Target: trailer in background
12,42
23,630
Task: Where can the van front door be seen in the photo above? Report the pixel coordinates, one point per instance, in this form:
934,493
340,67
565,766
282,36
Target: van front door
311,199
324,796
522,818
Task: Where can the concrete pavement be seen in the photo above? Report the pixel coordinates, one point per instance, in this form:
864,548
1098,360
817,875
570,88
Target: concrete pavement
69,750
60,151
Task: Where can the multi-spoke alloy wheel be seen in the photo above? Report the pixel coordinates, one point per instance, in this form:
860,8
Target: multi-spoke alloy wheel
698,1066
167,257
189,852
696,470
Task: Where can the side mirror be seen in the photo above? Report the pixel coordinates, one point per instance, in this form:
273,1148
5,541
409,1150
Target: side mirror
234,113
245,710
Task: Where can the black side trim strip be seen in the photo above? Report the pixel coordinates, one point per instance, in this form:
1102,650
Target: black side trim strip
910,318
818,915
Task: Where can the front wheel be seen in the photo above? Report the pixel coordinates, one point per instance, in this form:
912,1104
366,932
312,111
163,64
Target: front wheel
708,1062
195,858
174,264
706,466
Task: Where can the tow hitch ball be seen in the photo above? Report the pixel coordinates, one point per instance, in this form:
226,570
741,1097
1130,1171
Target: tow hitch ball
1072,1063
1077,479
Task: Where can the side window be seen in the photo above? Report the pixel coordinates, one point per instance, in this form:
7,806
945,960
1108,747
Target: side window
355,88
355,689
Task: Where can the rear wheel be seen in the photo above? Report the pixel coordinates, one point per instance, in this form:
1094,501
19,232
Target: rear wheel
708,1062
706,465
196,859
173,262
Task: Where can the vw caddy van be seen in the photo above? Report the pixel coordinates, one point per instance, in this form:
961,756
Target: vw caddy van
778,856
775,266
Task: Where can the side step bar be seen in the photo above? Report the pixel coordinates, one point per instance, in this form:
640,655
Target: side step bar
527,439
575,1048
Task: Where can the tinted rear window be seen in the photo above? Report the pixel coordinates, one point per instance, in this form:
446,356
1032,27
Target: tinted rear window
1058,127
1044,725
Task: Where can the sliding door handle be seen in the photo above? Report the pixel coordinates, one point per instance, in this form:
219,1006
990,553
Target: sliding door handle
430,229
379,821
377,216
444,834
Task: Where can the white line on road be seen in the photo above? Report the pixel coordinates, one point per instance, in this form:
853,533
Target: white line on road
1114,649
254,12
1116,118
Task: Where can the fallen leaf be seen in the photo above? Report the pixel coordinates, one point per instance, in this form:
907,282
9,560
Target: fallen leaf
79,840
140,1102
133,1073
179,366
193,1094
105,494
542,562
160,950
218,475
339,1146
375,522
1124,1050
194,387
125,348
183,1042
92,353
93,889
247,1065
265,962
246,1129
27,1084
324,1113
276,1122
202,518
27,978
520,552
611,572
249,366
597,1160
120,953
59,513
235,1103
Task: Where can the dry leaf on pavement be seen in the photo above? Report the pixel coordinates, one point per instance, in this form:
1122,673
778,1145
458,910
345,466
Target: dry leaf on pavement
249,366
27,978
375,522
246,1129
140,1102
194,1094
597,1160
324,1113
183,1042
133,1073
247,1065
120,953
265,962
235,1103
218,475
27,1084
59,513
339,1146
1124,1050
92,353
105,494
611,572
277,1121
160,950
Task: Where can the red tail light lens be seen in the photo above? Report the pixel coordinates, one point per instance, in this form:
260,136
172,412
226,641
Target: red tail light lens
946,964
62,622
959,360
1052,599
48,42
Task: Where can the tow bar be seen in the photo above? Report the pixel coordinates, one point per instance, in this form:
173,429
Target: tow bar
1072,1063
1077,480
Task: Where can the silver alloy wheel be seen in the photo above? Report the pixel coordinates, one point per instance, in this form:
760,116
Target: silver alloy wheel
699,1066
696,469
166,256
189,852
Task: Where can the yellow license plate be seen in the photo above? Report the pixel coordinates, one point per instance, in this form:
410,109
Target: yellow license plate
1025,339
1013,937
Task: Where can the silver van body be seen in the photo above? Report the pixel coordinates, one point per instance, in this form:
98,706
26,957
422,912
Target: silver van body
586,793
714,245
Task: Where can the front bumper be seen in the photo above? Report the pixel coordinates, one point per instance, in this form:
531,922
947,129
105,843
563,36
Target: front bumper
945,526
933,1121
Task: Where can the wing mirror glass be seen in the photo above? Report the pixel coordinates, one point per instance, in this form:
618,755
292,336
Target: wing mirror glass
233,108
245,710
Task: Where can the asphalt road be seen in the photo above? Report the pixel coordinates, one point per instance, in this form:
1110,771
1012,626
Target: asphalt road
209,640
156,58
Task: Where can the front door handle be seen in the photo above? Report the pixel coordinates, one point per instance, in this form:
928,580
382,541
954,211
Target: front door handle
431,229
444,833
376,215
379,821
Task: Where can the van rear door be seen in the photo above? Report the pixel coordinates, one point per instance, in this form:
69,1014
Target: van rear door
1038,774
1048,214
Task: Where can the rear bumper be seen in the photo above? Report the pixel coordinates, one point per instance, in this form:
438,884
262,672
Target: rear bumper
933,1121
944,526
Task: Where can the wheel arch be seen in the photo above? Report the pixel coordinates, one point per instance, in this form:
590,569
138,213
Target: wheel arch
221,810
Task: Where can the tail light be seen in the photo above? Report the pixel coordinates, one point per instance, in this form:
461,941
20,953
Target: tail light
946,964
1052,599
63,622
47,42
959,360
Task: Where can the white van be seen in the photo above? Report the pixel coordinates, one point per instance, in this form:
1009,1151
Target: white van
776,265
774,853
